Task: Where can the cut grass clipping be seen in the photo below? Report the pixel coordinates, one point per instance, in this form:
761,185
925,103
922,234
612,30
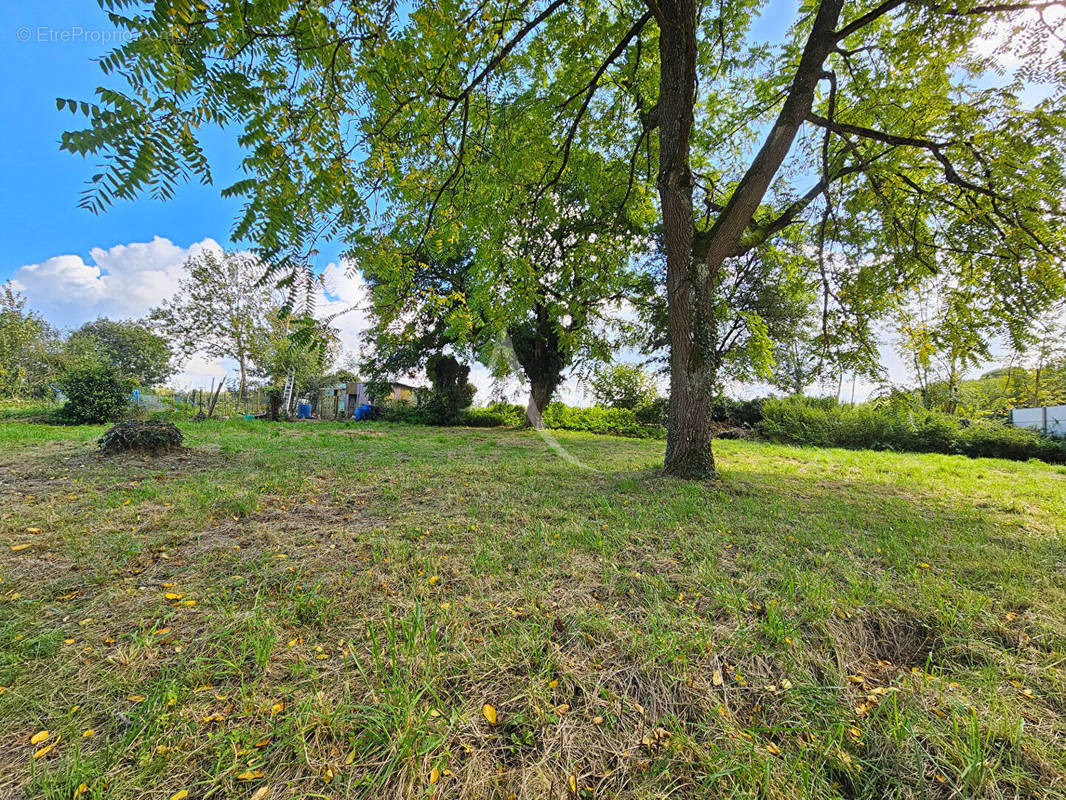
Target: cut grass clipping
322,610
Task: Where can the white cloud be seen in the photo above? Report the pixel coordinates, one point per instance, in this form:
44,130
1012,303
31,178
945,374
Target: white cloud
121,282
344,293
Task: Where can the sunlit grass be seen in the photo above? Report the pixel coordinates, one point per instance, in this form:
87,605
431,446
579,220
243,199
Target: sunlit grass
323,610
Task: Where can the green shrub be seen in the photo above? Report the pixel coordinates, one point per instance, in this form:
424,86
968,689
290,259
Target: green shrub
615,421
451,391
95,393
511,413
737,413
653,413
145,437
825,423
995,440
477,418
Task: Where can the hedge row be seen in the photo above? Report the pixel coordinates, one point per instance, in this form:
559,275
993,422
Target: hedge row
824,423
817,422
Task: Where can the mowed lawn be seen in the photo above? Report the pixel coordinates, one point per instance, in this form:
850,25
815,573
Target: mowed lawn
323,610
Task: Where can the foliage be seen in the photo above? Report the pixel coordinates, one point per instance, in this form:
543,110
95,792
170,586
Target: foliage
480,418
451,392
275,396
737,413
622,386
146,437
302,347
763,311
132,347
95,392
825,423
28,348
221,309
614,421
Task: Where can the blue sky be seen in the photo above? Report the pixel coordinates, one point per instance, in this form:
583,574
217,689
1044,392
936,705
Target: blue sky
50,47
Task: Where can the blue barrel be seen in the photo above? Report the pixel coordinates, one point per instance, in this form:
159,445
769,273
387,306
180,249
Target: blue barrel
303,411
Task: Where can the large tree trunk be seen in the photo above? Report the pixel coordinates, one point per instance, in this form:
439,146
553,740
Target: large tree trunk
691,283
540,394
540,353
688,434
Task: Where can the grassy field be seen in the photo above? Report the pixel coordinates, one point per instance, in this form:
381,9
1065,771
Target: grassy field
334,611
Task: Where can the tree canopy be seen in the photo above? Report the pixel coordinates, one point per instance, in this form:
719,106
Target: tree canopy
130,346
882,134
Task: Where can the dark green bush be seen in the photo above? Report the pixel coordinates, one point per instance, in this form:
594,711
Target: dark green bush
653,413
451,391
95,393
145,437
405,414
738,413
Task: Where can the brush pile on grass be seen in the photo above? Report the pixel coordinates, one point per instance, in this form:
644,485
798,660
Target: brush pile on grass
141,437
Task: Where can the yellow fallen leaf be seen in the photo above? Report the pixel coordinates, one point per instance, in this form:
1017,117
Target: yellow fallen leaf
33,530
83,788
260,793
772,748
173,595
716,678
597,720
179,795
251,775
162,632
572,783
432,581
45,750
434,713
39,737
277,708
434,776
923,565
15,548
490,713
327,775
136,698
786,684
89,733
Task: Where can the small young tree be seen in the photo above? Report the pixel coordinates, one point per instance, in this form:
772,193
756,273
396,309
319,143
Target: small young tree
622,386
300,347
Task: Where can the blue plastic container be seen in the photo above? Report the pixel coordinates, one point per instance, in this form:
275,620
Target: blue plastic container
303,411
